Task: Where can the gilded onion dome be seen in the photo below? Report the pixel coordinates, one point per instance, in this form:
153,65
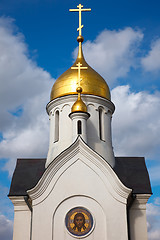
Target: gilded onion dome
91,82
79,105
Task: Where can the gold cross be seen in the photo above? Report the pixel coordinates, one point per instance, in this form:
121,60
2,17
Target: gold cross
79,67
80,9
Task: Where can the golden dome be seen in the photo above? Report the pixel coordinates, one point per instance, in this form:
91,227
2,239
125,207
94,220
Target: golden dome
91,82
79,105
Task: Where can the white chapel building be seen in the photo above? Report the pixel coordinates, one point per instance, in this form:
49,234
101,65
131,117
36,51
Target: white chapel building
81,190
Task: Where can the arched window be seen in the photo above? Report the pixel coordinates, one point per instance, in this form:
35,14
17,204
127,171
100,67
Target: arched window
101,124
56,127
79,127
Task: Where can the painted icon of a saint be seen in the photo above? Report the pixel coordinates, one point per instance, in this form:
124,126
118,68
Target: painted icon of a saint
79,222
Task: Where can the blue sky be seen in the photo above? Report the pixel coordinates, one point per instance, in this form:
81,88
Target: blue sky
38,43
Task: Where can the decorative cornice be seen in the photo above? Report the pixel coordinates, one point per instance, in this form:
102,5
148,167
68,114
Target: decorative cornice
86,98
19,203
140,201
83,115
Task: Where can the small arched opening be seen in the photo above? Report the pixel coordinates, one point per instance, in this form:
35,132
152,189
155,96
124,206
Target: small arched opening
56,127
79,127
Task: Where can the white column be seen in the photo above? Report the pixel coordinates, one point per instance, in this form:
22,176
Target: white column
108,135
82,117
137,217
22,219
51,132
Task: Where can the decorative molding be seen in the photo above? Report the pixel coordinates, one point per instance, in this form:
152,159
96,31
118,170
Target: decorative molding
86,98
56,109
140,202
19,203
108,113
80,115
91,105
67,158
65,105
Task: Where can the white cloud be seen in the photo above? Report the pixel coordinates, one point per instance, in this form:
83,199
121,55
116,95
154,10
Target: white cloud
154,235
153,221
25,86
136,123
6,228
157,201
113,53
151,62
20,78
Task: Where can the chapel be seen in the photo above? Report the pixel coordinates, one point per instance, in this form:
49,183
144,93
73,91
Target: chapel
81,189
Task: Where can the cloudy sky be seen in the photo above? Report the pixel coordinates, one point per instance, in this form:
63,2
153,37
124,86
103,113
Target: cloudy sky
38,43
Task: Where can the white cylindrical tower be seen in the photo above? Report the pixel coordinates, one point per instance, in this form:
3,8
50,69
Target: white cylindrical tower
79,125
79,116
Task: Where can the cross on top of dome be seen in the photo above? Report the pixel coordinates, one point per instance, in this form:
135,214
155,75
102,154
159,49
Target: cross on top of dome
80,10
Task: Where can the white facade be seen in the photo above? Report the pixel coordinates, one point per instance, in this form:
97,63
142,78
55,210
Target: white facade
79,177
97,128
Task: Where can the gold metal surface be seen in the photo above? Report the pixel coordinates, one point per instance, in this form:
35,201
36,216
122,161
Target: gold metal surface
79,105
80,39
91,82
79,67
80,10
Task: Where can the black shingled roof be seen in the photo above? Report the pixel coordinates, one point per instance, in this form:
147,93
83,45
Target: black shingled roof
26,175
131,171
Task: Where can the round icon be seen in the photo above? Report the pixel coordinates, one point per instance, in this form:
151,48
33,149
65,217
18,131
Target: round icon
79,221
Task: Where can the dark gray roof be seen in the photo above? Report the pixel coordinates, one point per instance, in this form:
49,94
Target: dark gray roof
26,175
131,171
